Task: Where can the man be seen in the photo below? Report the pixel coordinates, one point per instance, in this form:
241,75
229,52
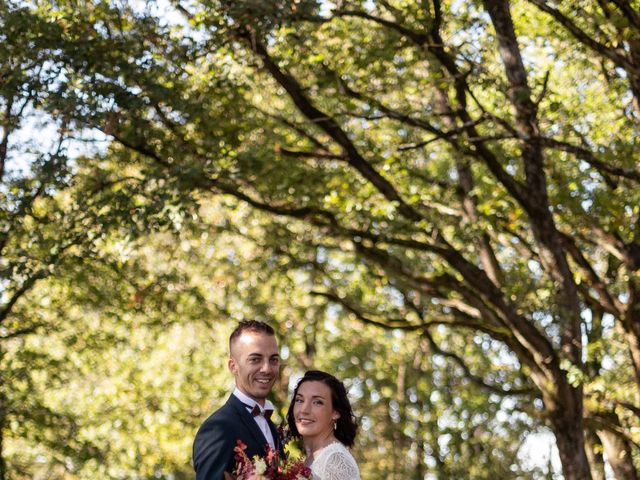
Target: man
255,364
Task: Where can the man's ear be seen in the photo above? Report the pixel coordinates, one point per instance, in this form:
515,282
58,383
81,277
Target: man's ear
233,366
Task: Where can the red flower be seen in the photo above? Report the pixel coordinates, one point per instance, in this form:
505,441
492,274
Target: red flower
269,467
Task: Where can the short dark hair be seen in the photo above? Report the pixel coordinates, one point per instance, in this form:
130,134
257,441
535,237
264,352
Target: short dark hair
250,326
346,425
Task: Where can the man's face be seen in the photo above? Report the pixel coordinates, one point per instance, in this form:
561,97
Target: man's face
255,364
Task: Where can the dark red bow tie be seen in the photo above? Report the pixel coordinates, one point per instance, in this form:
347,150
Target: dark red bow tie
257,412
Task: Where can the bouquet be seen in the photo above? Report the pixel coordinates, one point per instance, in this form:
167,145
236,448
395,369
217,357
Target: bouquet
270,467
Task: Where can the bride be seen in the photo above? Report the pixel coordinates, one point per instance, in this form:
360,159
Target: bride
321,414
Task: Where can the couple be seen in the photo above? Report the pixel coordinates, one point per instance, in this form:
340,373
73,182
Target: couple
319,413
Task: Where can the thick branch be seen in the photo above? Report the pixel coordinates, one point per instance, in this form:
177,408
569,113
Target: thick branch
467,371
552,255
580,35
419,38
302,154
607,302
434,44
140,148
525,332
588,156
529,344
22,331
27,285
328,124
6,131
402,324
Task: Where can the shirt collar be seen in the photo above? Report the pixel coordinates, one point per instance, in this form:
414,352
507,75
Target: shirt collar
250,402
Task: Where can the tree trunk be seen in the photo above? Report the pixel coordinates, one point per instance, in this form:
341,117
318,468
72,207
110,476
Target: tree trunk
634,47
618,450
632,334
570,441
630,324
3,463
563,401
3,418
420,470
594,455
566,412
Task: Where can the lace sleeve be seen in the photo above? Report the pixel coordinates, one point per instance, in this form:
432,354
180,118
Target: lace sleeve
341,466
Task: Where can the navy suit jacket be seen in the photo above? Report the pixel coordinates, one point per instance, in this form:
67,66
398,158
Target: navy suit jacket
214,443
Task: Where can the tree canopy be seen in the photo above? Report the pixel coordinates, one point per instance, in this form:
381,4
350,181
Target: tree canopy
437,200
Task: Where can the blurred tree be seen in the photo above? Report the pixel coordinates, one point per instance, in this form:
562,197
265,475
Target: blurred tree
56,216
132,358
463,172
419,418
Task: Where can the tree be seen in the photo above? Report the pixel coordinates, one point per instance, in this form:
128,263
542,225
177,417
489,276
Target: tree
112,390
56,217
468,167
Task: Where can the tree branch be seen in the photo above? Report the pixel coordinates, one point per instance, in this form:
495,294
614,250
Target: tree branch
467,371
303,154
6,131
328,124
580,35
295,128
23,331
7,307
605,299
588,156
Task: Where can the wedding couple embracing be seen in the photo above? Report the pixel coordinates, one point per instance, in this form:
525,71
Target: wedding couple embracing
319,413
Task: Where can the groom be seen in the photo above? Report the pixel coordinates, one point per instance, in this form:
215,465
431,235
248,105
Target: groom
255,363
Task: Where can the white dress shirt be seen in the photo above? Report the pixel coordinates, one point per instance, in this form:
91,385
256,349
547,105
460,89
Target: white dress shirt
260,419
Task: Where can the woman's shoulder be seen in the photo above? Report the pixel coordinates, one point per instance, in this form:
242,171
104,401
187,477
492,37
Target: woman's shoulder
336,448
337,463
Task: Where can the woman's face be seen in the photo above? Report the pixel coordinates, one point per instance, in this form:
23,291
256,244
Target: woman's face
313,410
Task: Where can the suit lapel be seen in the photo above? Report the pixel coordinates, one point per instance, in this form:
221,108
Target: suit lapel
250,424
276,437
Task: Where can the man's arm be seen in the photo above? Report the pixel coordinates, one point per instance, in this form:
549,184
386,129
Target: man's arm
213,451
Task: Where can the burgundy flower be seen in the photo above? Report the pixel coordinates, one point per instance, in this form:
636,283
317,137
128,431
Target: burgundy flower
269,467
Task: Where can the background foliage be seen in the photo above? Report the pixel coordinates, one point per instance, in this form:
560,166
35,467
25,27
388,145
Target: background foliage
438,201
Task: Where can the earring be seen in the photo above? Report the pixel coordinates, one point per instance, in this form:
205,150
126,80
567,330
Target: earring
335,424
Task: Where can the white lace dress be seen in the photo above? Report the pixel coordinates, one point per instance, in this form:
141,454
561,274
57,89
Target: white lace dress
335,462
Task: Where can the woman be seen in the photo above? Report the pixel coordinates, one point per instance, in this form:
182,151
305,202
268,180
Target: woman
321,414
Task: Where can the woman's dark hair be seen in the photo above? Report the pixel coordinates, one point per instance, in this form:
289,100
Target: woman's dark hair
346,425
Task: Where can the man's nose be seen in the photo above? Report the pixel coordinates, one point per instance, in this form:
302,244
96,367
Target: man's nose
265,366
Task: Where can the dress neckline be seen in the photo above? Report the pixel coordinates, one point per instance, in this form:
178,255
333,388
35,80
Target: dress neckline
324,449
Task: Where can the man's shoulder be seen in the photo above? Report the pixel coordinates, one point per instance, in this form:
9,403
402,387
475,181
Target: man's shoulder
227,409
214,442
226,413
219,423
